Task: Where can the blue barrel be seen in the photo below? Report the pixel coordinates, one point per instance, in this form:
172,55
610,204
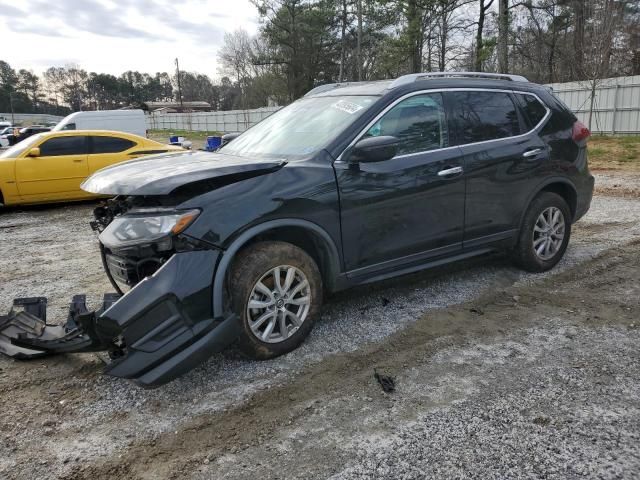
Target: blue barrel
173,139
213,143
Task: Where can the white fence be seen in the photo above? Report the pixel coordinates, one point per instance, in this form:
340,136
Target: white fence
232,121
616,106
30,118
616,109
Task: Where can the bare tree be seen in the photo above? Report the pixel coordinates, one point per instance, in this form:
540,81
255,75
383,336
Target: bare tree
598,45
484,7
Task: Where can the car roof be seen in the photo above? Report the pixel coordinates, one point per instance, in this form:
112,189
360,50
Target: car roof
350,88
92,132
426,81
98,133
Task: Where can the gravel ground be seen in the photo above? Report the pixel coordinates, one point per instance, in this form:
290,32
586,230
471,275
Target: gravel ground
535,381
618,183
548,402
81,422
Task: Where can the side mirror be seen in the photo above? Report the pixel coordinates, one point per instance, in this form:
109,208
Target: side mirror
228,137
34,152
374,149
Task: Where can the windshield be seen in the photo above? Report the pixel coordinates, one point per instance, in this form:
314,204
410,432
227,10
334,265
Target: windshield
20,147
302,128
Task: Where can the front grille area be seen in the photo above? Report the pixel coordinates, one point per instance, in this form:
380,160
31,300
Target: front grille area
123,270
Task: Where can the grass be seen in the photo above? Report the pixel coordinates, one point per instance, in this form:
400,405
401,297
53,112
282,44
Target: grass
614,152
198,138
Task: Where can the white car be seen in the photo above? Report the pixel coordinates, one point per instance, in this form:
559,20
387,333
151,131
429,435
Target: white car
4,131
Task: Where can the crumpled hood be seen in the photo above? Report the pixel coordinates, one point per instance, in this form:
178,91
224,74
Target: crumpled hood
162,174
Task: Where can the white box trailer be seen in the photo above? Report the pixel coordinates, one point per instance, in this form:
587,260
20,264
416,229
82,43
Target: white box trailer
130,121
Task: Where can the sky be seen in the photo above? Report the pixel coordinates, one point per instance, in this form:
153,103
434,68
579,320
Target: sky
113,36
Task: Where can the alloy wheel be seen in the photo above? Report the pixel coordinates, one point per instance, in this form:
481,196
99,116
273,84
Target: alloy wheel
278,304
548,233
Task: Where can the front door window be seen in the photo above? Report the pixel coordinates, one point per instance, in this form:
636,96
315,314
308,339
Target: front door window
418,122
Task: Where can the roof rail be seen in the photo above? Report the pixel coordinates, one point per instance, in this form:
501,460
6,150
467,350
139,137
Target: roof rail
414,77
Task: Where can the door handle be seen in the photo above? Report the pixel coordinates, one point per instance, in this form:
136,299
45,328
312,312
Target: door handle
532,153
450,171
77,160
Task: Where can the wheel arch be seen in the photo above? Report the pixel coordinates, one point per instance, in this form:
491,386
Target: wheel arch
561,186
308,236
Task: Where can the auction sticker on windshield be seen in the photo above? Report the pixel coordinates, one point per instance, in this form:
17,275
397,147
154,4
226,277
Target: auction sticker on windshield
348,107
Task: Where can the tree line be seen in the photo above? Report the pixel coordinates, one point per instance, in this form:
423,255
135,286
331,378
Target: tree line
304,43
61,90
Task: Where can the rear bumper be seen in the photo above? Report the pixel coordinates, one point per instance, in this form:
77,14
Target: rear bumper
166,321
585,195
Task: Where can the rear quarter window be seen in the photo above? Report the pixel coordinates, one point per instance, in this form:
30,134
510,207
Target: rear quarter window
480,116
533,110
562,118
110,144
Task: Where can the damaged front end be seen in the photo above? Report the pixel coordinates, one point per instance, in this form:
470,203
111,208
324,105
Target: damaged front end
160,324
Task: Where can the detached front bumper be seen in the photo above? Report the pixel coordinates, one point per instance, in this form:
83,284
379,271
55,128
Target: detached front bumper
157,331
166,321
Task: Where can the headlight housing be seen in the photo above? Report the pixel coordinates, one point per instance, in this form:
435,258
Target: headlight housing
146,227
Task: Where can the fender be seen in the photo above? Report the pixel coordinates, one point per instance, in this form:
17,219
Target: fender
539,188
229,254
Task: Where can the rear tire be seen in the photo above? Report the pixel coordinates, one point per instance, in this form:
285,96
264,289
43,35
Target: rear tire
545,233
276,291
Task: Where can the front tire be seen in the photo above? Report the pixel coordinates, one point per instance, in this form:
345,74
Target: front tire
276,291
545,233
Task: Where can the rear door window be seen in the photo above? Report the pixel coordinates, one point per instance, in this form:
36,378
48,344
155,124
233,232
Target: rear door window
75,145
478,116
110,144
419,123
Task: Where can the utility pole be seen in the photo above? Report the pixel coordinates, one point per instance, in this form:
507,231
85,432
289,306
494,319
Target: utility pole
179,85
503,36
359,39
13,120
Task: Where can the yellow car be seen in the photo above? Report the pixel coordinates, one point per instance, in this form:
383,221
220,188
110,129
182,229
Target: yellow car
49,167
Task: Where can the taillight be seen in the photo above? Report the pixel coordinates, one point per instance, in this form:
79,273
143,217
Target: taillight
580,131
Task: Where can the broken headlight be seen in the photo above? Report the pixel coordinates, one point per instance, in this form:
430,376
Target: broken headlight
143,226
